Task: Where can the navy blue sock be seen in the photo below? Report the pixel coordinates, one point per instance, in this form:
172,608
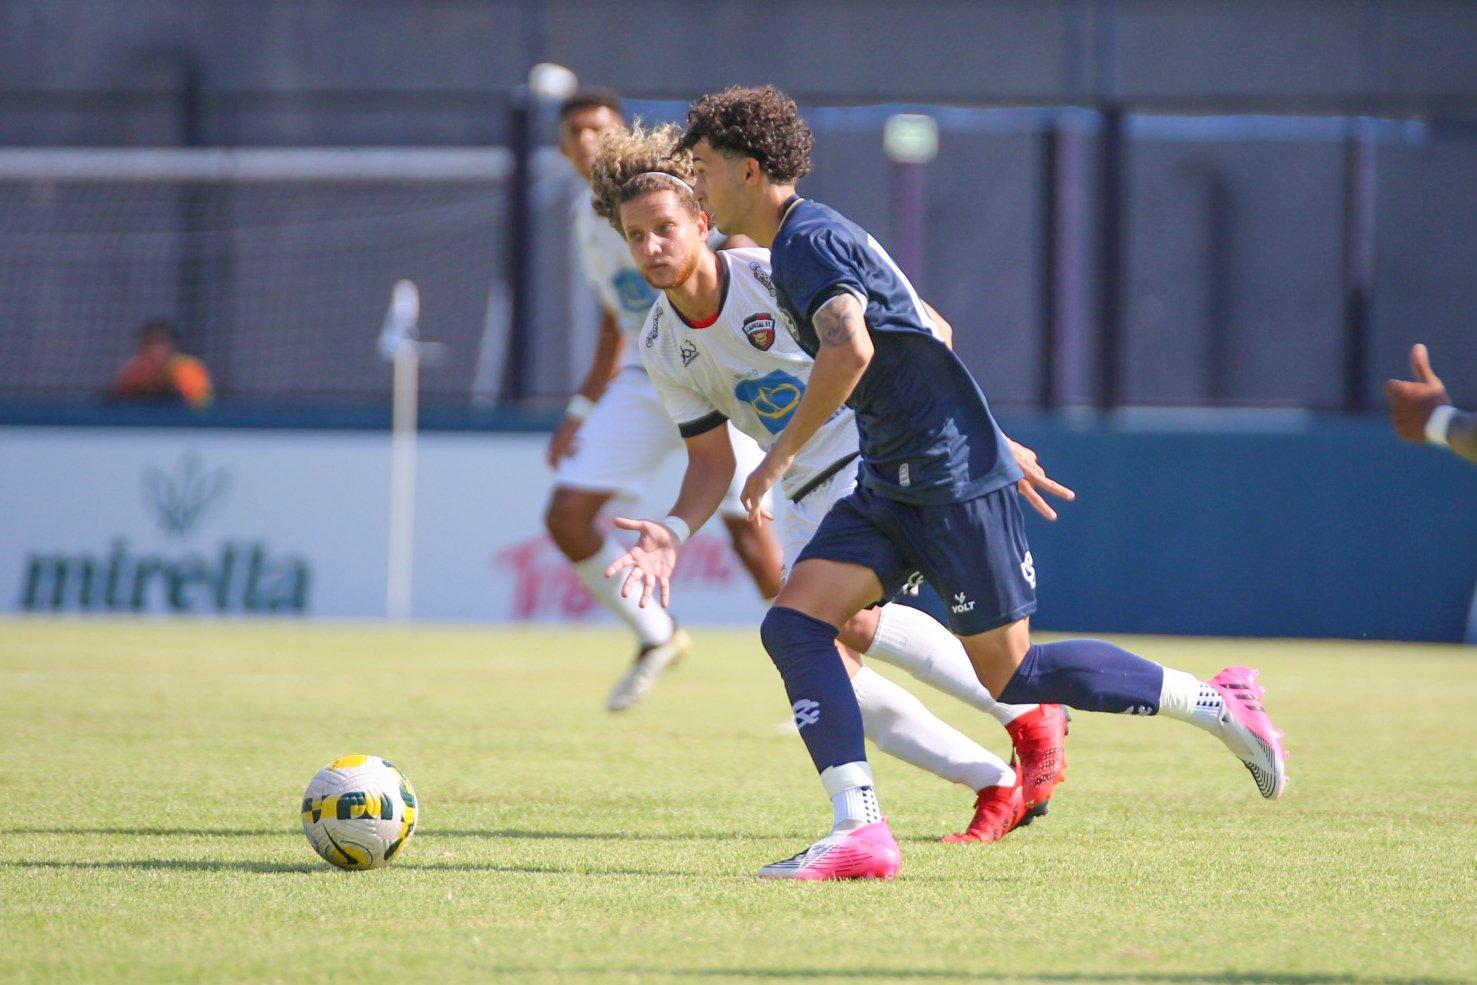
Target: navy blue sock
1088,674
804,651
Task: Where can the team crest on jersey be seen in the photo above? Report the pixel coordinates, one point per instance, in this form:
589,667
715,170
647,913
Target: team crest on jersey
688,352
760,330
762,276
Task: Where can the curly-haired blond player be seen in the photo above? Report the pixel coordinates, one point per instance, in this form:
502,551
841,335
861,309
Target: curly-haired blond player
936,493
720,351
615,433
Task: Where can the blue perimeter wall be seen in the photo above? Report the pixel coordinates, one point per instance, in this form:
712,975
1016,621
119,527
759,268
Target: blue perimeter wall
1257,525
1222,523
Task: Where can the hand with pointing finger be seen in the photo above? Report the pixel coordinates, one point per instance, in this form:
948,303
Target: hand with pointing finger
1036,478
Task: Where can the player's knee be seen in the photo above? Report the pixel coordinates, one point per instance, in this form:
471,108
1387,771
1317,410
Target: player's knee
996,655
571,528
789,635
860,630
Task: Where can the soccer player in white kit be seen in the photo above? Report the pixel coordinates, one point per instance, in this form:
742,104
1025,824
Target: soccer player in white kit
717,350
615,433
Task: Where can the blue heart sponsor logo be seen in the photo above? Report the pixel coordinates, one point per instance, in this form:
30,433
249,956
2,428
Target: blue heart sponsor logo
773,397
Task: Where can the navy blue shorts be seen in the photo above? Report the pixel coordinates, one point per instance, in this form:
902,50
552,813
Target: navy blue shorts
973,552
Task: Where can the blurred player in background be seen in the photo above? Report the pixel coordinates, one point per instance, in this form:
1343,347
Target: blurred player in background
615,433
936,495
159,371
717,352
1422,411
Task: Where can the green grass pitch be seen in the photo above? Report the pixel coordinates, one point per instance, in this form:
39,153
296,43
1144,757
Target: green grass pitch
153,773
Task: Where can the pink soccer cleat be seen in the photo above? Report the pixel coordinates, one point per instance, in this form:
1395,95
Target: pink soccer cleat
1247,730
868,852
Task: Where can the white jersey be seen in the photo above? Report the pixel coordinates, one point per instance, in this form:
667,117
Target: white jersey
745,366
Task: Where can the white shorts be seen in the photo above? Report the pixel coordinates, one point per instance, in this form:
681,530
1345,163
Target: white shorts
801,519
628,436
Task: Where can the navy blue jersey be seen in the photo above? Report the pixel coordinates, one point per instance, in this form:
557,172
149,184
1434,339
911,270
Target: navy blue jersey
926,431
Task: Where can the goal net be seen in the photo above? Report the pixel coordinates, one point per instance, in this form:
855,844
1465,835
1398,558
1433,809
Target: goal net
274,265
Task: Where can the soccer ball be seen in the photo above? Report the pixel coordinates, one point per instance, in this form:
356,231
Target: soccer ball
359,811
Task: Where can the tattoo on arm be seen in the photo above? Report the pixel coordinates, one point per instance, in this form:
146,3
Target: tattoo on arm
839,320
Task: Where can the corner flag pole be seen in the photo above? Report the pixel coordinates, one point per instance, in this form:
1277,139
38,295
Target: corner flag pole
398,342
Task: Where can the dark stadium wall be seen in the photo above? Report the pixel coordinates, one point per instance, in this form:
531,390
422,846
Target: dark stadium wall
1268,526
944,49
1233,259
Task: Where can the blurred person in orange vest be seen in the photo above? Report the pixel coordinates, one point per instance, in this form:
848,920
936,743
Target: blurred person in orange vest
159,371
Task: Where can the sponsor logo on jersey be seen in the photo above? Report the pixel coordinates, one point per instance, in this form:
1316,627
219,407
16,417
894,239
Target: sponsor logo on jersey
759,329
774,398
962,604
762,276
688,352
656,324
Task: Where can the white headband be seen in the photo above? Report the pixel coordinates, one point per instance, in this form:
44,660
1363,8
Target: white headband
663,174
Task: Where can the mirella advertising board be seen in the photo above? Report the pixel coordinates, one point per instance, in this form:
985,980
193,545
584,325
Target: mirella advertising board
214,522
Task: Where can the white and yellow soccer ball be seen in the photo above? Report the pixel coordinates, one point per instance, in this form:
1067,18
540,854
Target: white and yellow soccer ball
359,812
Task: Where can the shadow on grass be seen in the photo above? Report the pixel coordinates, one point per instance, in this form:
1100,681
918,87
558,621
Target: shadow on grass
524,834
183,864
512,833
156,832
516,834
919,974
742,875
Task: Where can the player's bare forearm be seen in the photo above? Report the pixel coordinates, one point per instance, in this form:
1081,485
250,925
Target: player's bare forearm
844,355
608,348
710,466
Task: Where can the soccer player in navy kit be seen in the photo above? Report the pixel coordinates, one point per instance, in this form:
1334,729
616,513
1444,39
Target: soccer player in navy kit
936,495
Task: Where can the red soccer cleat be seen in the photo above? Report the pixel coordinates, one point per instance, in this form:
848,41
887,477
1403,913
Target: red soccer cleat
997,812
1040,741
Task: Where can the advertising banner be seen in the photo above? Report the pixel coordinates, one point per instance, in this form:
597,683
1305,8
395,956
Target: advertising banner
294,523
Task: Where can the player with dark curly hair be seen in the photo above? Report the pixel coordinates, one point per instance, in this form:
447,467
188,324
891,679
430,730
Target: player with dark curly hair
760,123
715,353
936,495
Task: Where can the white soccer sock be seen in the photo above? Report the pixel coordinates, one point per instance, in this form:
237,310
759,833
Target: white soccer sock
651,625
912,640
902,727
853,798
1185,697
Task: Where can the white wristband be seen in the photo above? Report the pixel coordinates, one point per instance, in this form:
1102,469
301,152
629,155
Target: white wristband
679,528
1438,425
579,407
